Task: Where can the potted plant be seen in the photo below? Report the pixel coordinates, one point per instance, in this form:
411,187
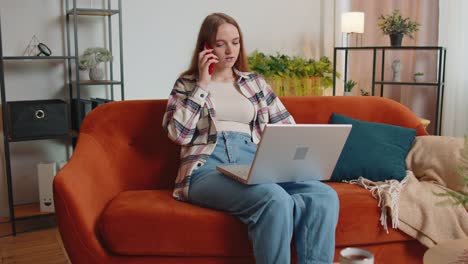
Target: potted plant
418,77
364,93
293,75
348,87
91,59
396,26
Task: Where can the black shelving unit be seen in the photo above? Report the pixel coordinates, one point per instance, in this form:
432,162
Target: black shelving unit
31,211
439,84
72,13
22,212
27,58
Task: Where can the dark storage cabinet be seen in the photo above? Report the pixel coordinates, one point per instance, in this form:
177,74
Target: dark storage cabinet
38,118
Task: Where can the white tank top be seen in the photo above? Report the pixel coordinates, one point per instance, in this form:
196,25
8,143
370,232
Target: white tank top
234,111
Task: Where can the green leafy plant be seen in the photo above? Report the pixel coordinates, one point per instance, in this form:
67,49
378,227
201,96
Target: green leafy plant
349,85
396,24
284,71
460,198
419,74
93,56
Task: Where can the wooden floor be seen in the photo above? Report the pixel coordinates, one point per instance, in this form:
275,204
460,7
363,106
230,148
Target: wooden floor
39,247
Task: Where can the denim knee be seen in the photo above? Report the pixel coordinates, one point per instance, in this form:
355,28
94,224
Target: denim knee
282,202
331,202
275,202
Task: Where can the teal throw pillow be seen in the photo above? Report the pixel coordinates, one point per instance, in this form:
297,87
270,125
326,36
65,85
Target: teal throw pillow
374,151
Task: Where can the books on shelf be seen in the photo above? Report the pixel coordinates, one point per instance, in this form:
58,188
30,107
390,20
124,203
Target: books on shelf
84,106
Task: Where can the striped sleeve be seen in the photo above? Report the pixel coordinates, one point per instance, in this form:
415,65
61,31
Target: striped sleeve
183,112
276,110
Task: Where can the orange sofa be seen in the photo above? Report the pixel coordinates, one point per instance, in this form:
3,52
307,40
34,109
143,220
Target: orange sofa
114,205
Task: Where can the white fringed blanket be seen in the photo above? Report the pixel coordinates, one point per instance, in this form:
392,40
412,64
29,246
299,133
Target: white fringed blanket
412,205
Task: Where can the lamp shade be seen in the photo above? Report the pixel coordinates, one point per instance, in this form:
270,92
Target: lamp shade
352,22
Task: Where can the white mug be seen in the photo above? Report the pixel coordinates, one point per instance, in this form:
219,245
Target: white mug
356,256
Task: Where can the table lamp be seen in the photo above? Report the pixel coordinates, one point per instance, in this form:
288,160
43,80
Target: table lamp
352,24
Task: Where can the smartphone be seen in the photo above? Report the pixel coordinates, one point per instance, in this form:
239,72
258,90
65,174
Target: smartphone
211,66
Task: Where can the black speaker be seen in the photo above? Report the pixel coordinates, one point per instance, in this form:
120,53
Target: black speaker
29,119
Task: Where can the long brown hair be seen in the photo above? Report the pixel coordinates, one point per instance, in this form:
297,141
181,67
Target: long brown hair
207,34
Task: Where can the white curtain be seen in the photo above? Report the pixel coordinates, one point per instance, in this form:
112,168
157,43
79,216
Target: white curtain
453,20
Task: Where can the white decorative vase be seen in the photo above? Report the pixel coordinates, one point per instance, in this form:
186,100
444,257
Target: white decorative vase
96,73
396,68
348,93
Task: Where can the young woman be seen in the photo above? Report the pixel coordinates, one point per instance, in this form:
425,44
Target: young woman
218,118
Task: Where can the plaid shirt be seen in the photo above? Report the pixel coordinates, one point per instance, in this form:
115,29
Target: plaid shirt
190,120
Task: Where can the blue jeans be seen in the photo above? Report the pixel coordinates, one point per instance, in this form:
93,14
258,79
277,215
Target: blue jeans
271,211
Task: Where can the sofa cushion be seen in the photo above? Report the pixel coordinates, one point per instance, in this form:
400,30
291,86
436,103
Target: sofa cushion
374,151
359,218
142,223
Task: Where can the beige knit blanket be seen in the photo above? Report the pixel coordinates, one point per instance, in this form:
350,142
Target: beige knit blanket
412,205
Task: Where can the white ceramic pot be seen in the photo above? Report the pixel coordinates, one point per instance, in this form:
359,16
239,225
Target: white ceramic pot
348,93
96,73
418,78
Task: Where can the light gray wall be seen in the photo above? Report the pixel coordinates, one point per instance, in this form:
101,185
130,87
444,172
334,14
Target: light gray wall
159,37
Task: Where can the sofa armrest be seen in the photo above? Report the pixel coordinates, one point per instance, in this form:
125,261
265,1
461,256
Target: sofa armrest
121,146
82,189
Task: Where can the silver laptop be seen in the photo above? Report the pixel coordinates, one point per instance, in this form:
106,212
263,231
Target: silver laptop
291,153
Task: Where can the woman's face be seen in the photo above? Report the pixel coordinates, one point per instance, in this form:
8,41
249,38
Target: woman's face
227,45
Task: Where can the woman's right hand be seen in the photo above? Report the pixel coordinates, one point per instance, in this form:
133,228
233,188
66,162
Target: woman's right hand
205,58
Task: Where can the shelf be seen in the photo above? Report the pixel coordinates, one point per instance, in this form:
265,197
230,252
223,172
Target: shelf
71,134
38,57
25,211
5,229
102,82
437,84
69,22
93,12
410,83
393,48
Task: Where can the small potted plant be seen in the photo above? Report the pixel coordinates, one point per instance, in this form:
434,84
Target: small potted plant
91,59
348,87
364,93
418,77
396,26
